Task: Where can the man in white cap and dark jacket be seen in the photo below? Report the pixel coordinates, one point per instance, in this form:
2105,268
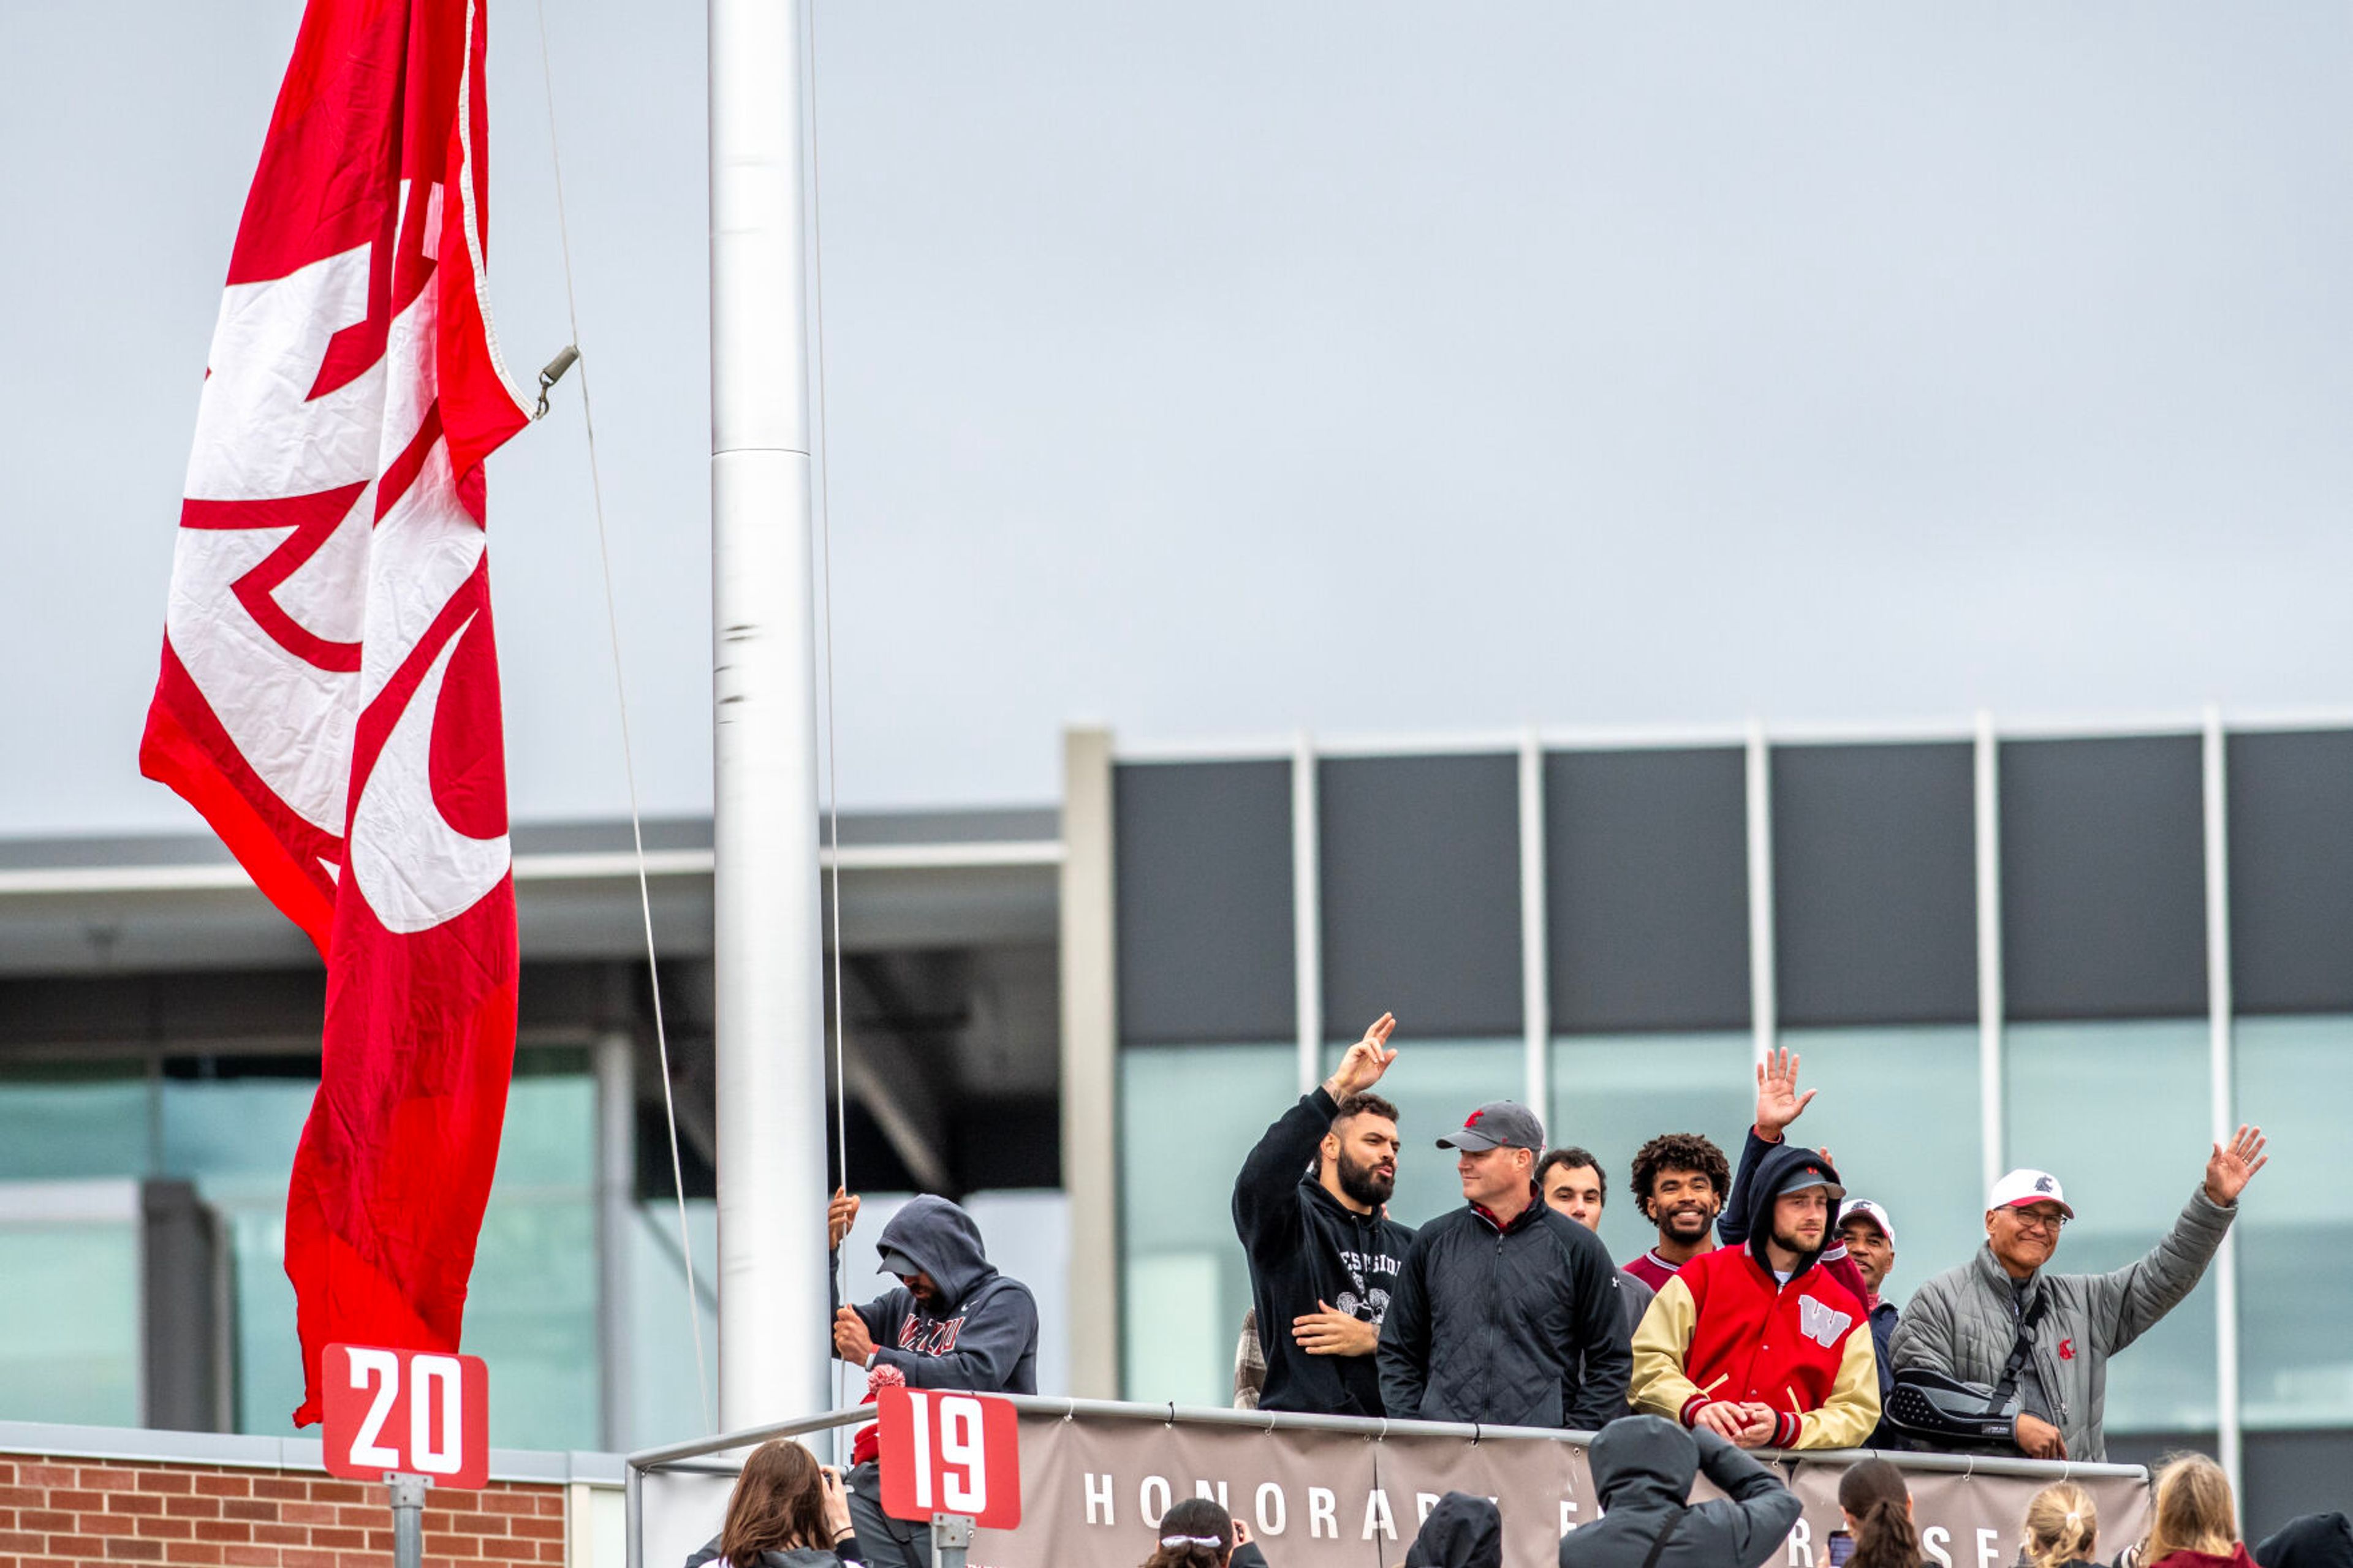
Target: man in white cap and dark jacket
1505,1312
1966,1322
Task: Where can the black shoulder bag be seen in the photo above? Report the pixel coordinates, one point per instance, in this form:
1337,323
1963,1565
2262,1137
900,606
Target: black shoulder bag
1660,1544
1929,1411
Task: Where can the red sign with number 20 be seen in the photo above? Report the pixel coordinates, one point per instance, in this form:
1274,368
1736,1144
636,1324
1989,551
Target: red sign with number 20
412,1412
950,1453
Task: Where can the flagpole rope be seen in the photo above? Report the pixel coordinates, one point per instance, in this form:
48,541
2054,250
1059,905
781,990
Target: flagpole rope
832,747
628,760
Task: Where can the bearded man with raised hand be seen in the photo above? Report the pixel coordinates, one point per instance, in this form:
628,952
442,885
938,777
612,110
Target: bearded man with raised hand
1310,1206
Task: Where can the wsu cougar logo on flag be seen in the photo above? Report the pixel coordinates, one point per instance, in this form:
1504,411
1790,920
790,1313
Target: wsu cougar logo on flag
329,698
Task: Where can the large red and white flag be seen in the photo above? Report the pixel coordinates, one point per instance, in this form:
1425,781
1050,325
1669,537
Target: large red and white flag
330,698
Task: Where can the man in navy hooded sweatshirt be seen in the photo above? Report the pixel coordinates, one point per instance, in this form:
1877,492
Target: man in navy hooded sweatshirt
953,1322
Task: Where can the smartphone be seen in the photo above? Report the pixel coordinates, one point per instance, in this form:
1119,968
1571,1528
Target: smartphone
1841,1548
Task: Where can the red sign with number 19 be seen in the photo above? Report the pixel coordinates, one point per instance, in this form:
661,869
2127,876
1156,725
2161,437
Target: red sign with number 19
407,1412
950,1453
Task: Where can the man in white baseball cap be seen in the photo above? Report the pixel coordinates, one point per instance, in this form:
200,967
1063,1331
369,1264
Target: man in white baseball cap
2004,1322
1870,1237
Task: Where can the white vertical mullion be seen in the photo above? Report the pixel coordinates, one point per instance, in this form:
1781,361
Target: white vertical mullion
1763,1001
1535,978
2219,1089
1990,999
1306,912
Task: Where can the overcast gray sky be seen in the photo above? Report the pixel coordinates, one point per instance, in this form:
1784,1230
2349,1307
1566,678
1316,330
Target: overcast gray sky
1233,368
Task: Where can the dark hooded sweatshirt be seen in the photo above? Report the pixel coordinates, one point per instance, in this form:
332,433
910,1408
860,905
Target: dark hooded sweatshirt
1304,1246
1461,1531
2309,1541
980,1335
1642,1470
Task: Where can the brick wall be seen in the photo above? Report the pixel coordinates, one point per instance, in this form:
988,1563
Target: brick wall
85,1513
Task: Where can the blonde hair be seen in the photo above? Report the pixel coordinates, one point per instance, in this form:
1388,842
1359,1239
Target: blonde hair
2062,1526
2193,1511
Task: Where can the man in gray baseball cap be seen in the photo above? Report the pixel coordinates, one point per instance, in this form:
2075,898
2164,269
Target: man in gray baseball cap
1454,1347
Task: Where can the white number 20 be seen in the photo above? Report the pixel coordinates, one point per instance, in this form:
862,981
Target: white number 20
434,1448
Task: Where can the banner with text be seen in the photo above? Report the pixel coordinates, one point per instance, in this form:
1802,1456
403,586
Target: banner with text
1094,1490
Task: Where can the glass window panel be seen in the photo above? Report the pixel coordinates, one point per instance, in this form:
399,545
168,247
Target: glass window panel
234,1138
664,1405
75,1120
2117,1111
1897,1110
531,1311
1203,858
69,1354
1613,1093
2295,1238
532,1305
1189,1115
1435,1084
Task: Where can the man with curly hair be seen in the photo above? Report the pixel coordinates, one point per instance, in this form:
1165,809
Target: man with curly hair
1680,1183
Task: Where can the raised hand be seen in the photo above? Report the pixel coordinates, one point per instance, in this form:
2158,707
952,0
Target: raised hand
1778,1103
839,1216
2233,1167
1365,1061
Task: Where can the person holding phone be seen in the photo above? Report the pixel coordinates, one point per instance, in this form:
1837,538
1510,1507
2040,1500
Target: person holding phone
1877,1510
786,1512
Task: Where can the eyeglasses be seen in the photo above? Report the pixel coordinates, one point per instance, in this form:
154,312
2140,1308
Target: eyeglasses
2052,1221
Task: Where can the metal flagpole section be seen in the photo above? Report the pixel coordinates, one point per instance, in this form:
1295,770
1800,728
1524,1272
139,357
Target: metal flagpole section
1991,997
1535,976
1307,912
1764,1004
407,1493
2221,1096
770,996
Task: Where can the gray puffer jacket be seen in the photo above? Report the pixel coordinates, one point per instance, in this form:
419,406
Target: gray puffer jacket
1961,1323
1642,1470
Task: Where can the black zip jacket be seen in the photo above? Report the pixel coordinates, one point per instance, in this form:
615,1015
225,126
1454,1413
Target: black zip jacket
1304,1246
1511,1327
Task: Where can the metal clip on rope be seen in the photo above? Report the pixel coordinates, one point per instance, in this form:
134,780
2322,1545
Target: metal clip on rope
552,372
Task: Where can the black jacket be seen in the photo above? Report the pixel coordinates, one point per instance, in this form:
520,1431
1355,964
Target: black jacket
981,1336
1304,1246
1642,1470
1461,1531
1516,1327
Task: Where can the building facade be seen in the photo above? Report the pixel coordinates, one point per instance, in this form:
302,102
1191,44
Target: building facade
2090,951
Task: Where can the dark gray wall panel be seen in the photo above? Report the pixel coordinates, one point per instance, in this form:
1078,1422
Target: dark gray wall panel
2102,878
2289,1473
2291,848
1421,862
1646,883
1202,855
1874,884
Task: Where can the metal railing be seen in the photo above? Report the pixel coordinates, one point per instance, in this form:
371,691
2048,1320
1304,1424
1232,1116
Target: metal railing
706,1454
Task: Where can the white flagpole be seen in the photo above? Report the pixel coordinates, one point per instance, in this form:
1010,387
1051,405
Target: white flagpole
773,1321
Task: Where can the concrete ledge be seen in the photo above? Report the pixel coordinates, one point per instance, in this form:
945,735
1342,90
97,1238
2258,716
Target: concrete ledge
139,1444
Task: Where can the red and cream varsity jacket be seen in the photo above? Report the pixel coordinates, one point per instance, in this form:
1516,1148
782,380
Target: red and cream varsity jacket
1722,1329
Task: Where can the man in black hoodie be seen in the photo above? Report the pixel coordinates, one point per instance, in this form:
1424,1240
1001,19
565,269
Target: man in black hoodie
954,1322
1642,1470
1323,1257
